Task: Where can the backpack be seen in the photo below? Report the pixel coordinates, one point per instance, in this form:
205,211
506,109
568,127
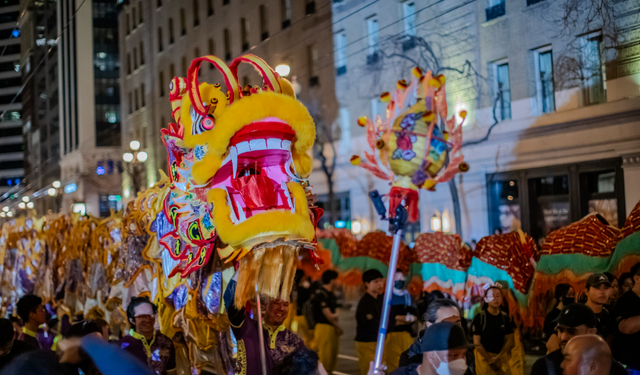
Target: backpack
483,320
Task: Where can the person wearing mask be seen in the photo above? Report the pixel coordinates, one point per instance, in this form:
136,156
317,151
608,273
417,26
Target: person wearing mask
626,282
626,316
597,292
574,320
401,317
301,362
303,294
368,315
278,340
33,313
10,348
587,355
565,295
444,350
144,342
613,292
327,331
492,336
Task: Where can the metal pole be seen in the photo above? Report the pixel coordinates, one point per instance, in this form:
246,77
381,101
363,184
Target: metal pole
263,355
384,320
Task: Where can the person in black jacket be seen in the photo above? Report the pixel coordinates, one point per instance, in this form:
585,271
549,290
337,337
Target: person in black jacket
574,320
368,318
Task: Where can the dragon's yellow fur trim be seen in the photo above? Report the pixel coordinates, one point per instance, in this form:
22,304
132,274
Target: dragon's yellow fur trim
280,223
254,108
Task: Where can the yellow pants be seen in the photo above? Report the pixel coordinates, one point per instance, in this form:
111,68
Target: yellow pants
366,353
483,368
301,328
325,341
395,344
516,360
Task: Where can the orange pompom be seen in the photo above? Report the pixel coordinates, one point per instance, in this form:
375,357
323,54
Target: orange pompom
463,167
445,134
362,121
355,160
385,97
435,83
379,144
402,84
429,185
417,72
441,79
463,114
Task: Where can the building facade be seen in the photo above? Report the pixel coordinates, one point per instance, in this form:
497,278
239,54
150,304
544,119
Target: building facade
548,142
89,110
40,117
11,140
160,38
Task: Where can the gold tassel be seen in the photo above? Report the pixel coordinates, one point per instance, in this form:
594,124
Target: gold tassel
290,263
269,279
247,275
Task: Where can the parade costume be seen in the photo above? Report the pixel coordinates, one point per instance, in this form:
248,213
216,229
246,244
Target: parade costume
400,337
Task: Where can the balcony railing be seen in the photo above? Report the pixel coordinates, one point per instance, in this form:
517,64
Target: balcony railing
495,11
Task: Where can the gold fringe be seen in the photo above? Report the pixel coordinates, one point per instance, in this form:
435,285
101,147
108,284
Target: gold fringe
290,263
247,275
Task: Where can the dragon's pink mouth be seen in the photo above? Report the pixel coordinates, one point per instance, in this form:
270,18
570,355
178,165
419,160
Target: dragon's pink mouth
257,168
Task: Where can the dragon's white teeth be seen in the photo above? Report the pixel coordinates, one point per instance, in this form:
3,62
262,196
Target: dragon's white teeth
258,144
286,145
243,147
241,213
232,213
283,185
274,144
233,154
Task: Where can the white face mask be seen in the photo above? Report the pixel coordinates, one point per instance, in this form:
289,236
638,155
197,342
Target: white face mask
457,367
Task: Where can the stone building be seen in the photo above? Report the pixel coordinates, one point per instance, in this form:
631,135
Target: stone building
560,106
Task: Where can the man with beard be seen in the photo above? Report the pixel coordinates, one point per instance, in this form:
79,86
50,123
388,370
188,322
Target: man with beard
144,342
574,320
279,342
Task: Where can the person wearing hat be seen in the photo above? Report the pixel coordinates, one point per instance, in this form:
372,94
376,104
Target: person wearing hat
626,314
597,292
368,318
574,320
444,350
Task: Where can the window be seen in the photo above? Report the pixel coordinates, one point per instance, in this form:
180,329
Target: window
196,9
142,96
375,108
183,27
225,2
159,4
244,34
160,39
340,41
345,127
503,91
227,45
130,103
170,30
264,29
593,76
409,18
495,9
210,7
136,99
133,17
183,66
140,18
285,6
313,66
310,7
341,217
135,58
197,52
128,63
161,83
532,2
141,54
127,25
544,81
372,40
172,71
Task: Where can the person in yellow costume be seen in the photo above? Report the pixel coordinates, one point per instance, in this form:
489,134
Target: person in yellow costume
368,316
326,331
401,318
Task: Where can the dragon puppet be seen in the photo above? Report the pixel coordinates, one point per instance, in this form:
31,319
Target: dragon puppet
415,149
238,162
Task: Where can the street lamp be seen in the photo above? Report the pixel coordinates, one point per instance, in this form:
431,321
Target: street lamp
283,70
51,192
133,164
56,184
25,199
22,205
30,205
436,224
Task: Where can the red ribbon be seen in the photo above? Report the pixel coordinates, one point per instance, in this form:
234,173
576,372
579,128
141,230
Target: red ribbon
257,191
